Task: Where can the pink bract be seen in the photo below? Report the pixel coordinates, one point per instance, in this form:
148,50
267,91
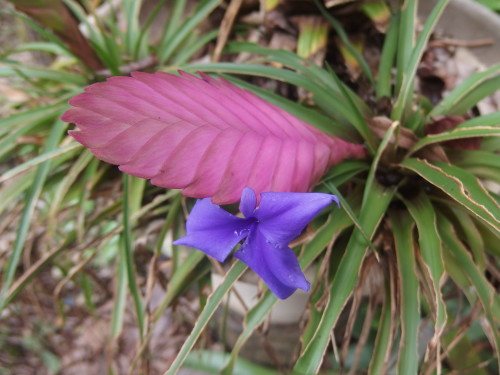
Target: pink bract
203,135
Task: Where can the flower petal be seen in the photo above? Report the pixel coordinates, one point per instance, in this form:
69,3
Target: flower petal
283,216
277,266
248,202
213,230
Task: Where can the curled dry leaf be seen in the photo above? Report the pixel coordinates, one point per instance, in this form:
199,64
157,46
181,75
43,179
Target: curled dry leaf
203,135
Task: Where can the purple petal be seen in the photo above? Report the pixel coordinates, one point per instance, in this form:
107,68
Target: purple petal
277,266
248,202
213,230
283,216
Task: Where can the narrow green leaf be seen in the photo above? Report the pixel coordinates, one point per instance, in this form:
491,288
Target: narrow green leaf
461,186
128,251
133,30
120,297
422,211
383,341
71,148
345,171
402,228
384,76
49,47
213,302
405,40
453,103
186,54
25,221
484,290
472,235
11,69
345,279
409,66
457,133
370,180
35,115
203,9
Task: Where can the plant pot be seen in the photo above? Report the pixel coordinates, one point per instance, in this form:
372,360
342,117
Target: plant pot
467,20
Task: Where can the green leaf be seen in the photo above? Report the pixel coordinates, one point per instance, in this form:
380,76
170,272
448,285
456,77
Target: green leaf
345,278
457,133
406,39
402,229
213,302
461,186
120,297
345,171
423,212
49,47
483,289
469,92
71,149
169,45
383,341
384,76
25,221
128,209
12,69
408,66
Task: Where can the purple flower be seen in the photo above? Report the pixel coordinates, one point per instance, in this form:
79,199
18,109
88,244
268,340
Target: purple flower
266,230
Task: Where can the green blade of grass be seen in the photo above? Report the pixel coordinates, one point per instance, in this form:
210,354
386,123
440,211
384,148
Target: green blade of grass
483,164
70,149
213,302
133,30
384,76
345,171
120,297
184,55
461,186
484,290
128,208
472,87
423,213
402,229
385,335
405,40
345,278
408,67
471,235
48,47
13,69
43,170
457,133
35,115
170,44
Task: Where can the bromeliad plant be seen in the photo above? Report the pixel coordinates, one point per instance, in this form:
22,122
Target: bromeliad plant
416,218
